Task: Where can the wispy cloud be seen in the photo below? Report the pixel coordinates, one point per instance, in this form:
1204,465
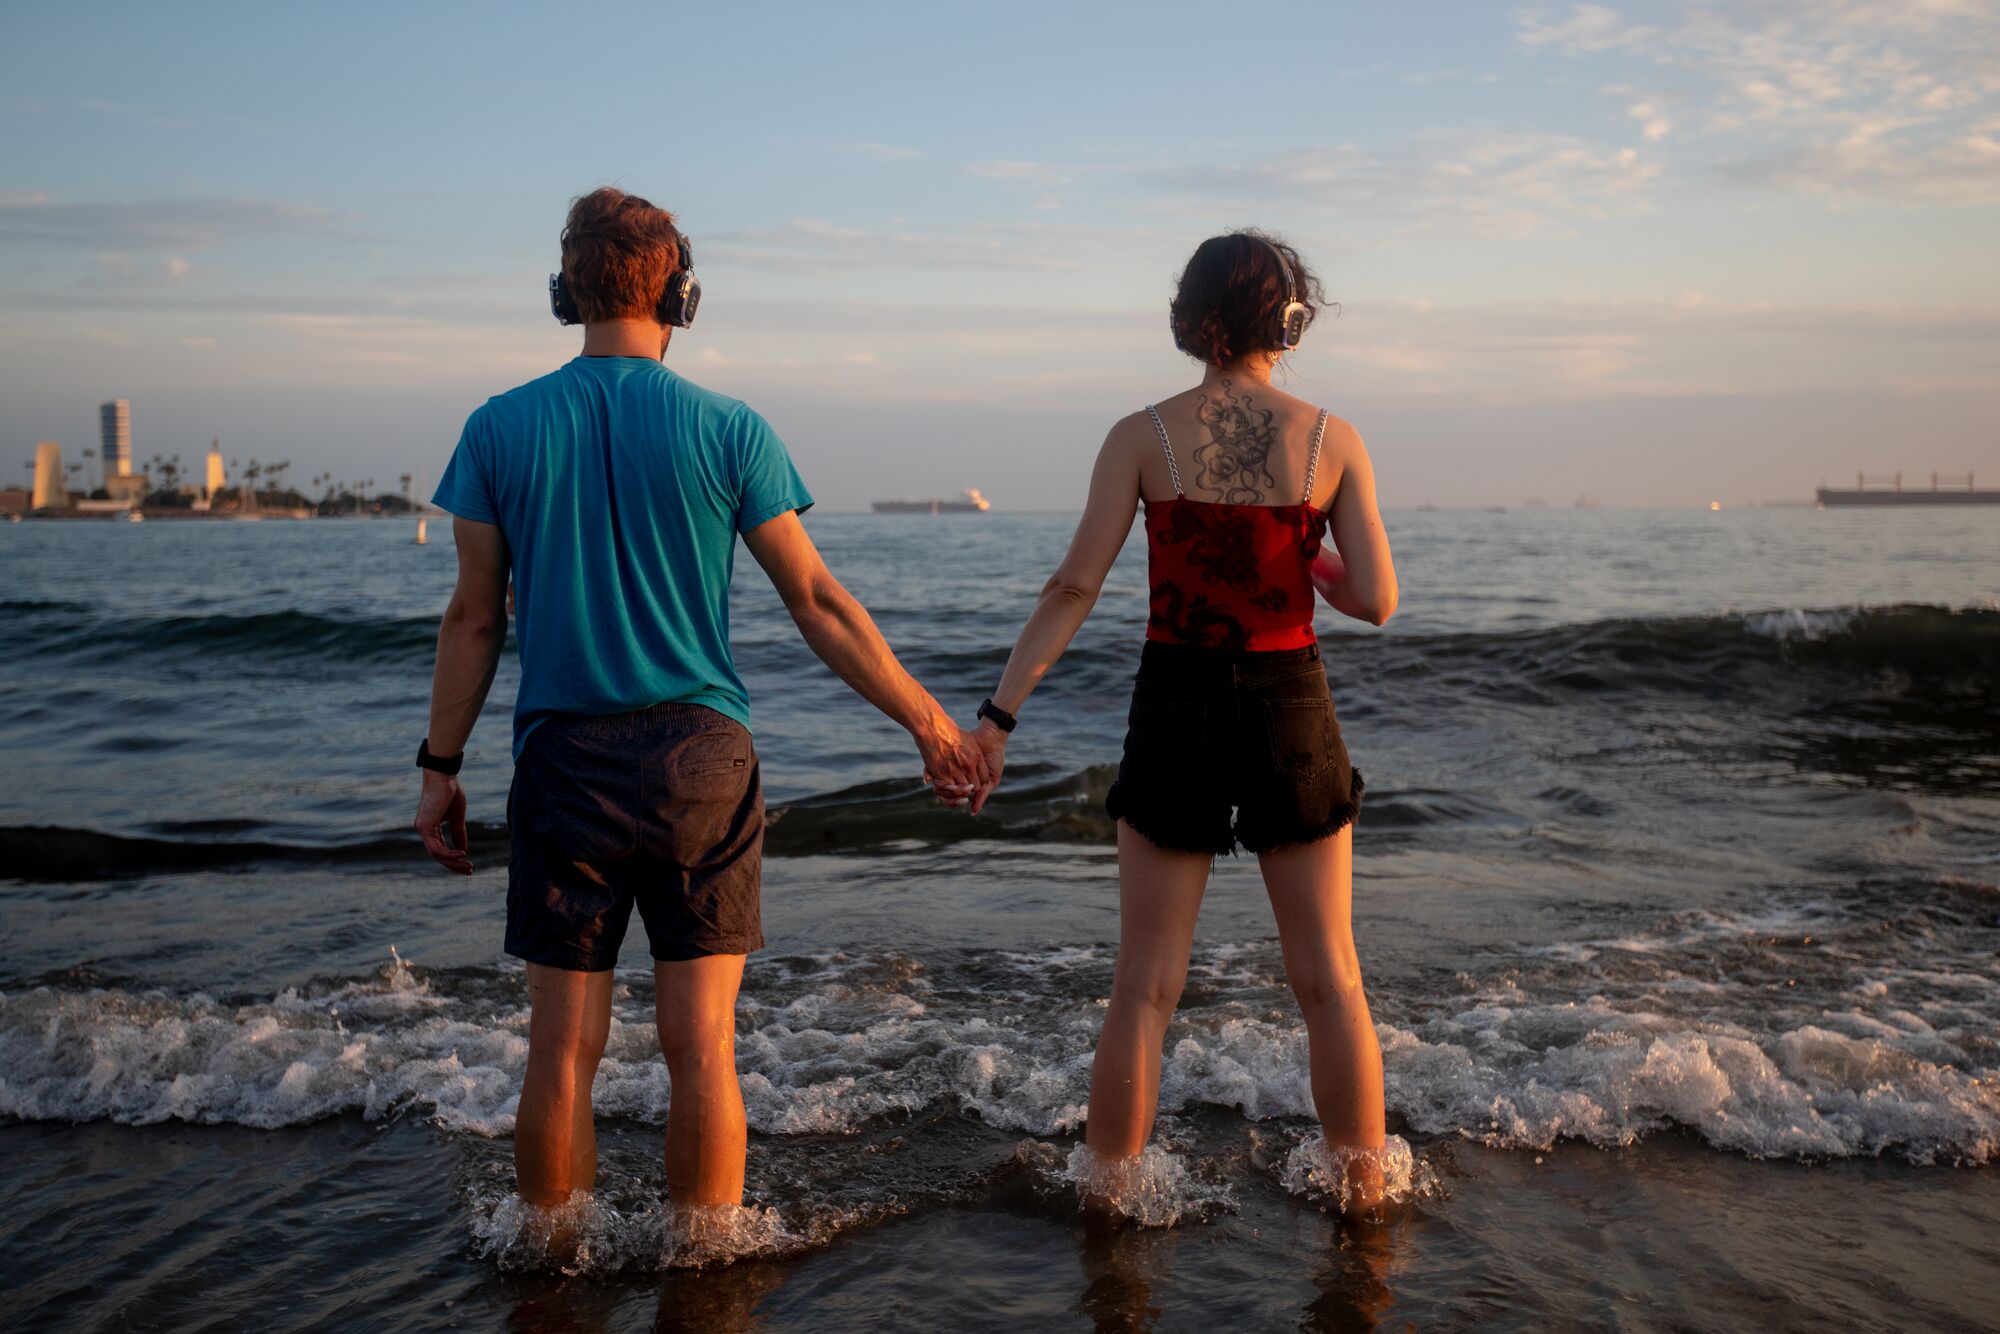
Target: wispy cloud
1688,345
818,245
1872,99
882,152
122,272
187,223
1479,183
38,106
1014,169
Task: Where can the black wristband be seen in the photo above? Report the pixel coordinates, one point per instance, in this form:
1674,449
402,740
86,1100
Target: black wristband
1002,719
448,765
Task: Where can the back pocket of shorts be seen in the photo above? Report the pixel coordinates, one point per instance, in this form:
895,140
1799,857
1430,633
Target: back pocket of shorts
709,754
1301,736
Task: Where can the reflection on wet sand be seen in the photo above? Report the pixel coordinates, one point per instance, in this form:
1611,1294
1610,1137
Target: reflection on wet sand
1353,1280
725,1299
1121,1265
1124,1266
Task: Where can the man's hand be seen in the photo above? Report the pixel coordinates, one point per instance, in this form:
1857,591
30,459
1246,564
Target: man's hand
991,743
953,766
441,822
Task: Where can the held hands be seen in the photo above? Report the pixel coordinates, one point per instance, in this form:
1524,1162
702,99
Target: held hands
963,767
953,767
440,822
991,743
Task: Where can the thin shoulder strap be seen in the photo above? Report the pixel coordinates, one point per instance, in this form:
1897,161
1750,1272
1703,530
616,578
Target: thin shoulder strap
1312,460
1173,469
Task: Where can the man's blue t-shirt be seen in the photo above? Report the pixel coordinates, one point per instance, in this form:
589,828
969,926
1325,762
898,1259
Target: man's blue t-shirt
620,488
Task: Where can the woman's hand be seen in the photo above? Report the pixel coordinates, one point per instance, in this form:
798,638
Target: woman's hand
1329,572
991,743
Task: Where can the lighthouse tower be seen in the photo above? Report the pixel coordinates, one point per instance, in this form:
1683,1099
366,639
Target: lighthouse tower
217,478
51,490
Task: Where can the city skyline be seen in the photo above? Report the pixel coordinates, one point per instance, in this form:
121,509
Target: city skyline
1658,254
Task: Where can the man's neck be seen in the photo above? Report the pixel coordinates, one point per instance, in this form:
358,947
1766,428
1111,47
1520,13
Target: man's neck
625,338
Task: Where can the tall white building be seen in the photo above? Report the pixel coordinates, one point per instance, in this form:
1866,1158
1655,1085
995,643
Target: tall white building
115,436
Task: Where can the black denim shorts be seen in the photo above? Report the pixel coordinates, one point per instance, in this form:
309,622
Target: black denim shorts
1229,747
662,808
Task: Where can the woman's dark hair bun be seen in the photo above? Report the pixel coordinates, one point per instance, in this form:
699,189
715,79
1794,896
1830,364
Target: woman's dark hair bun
1230,300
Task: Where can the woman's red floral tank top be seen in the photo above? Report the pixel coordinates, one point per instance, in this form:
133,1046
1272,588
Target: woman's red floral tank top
1229,576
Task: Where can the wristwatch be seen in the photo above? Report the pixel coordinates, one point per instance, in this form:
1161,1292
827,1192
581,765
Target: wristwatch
448,765
1002,719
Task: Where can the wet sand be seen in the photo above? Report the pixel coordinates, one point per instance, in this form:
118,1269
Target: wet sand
351,1225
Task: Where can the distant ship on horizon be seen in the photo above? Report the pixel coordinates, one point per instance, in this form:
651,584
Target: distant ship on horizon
1889,491
972,503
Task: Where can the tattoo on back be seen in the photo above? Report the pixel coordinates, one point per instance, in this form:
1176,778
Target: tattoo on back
1235,460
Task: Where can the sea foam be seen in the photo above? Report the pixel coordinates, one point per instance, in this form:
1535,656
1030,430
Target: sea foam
1877,1060
1356,1180
587,1235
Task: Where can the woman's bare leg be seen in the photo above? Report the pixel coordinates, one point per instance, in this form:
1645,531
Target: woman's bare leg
1159,897
1311,890
695,1006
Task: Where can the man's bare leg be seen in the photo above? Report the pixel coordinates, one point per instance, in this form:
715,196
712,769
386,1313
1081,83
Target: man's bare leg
695,1004
555,1137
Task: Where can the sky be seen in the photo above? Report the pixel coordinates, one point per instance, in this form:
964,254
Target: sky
1650,254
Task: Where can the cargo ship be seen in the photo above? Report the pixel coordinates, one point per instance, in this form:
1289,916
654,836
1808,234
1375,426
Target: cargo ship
1889,491
971,503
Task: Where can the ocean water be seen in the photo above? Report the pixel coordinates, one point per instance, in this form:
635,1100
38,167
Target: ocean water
1677,890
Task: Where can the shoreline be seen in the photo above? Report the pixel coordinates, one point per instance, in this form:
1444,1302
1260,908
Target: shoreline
114,516
1665,1231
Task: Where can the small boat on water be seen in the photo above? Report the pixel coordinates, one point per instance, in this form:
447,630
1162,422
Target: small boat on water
972,503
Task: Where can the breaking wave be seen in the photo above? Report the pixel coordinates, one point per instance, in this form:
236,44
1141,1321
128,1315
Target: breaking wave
1834,1039
1671,653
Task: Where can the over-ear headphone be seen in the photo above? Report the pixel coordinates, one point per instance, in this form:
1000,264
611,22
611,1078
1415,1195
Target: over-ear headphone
678,302
1292,320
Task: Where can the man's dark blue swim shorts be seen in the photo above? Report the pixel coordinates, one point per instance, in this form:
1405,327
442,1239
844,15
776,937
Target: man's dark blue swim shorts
663,809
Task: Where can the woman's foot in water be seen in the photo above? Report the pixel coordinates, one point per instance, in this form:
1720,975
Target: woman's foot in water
1355,1180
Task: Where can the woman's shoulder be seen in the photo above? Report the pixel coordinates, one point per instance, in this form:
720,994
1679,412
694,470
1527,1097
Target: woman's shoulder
1340,432
1132,432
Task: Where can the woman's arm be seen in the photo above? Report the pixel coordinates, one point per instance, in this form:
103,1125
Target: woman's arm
1360,581
1070,593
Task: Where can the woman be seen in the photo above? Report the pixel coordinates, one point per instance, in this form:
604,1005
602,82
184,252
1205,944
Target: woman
1230,712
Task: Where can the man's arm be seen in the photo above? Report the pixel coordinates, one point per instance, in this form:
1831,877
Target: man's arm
468,653
839,629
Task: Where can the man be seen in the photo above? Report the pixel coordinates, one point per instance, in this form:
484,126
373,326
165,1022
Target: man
613,491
